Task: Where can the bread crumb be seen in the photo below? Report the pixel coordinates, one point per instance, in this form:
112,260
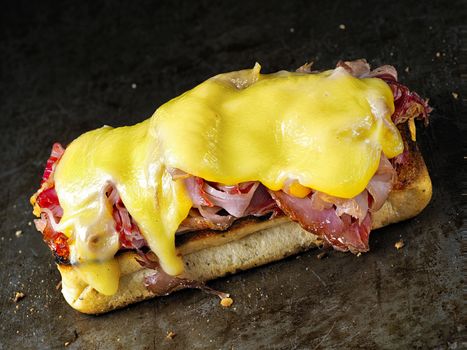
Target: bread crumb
134,86
455,95
322,255
29,223
342,26
75,336
399,244
407,69
438,54
18,233
19,296
359,254
226,302
170,335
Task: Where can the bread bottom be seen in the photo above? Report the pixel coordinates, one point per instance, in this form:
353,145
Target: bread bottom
209,255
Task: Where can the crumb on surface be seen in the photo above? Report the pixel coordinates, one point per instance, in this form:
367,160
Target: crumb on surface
438,54
455,95
399,244
19,296
342,26
18,233
59,285
170,335
359,254
75,336
226,302
322,255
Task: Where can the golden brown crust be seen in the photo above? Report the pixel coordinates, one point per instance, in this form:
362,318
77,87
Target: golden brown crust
212,254
254,249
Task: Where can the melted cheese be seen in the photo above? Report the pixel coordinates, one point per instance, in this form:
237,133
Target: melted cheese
323,131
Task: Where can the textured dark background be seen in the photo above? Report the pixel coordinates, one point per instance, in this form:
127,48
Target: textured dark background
67,67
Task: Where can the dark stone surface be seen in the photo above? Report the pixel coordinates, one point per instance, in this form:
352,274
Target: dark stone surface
67,68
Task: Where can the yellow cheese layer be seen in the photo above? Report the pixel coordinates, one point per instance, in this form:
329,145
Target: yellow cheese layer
323,131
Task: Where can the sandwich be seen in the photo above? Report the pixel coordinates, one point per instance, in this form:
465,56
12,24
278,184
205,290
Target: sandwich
242,170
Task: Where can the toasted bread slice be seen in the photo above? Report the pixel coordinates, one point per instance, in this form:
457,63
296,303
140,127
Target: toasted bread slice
248,243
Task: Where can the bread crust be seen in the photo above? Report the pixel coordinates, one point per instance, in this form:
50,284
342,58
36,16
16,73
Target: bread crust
211,254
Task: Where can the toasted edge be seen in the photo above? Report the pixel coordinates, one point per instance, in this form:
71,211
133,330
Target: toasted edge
210,255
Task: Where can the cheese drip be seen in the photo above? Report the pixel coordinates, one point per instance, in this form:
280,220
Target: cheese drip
323,131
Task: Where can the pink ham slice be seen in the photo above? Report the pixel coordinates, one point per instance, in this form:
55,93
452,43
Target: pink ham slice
161,283
381,183
342,232
217,206
344,223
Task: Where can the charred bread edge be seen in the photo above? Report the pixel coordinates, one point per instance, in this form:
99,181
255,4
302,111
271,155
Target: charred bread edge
241,248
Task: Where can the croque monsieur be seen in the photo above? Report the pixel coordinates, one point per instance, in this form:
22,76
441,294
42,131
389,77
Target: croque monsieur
244,169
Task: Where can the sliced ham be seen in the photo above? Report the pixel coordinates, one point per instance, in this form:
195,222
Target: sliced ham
356,207
381,183
161,283
195,187
217,206
358,68
408,104
129,233
342,232
354,237
232,199
55,155
261,203
206,218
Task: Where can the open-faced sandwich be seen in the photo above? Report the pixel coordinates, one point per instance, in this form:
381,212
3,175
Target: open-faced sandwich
244,169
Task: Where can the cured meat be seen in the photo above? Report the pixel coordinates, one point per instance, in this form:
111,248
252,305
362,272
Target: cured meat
209,219
217,206
408,104
381,183
129,233
343,232
161,283
345,223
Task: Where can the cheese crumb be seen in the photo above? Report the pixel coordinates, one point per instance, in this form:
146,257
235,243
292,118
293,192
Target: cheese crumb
226,302
18,296
399,244
18,233
170,335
